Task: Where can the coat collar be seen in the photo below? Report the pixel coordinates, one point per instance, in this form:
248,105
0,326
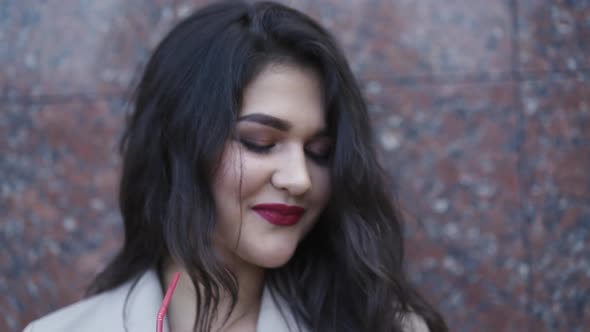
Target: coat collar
146,298
275,315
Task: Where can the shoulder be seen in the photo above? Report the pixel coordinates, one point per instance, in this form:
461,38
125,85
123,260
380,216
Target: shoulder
104,312
412,322
105,307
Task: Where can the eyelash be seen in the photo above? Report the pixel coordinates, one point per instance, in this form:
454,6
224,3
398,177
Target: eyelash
266,149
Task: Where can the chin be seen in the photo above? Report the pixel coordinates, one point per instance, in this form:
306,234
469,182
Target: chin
271,259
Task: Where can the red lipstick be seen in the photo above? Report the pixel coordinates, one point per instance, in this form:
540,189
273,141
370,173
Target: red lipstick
280,214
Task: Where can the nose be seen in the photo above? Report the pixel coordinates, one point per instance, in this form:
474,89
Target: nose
292,174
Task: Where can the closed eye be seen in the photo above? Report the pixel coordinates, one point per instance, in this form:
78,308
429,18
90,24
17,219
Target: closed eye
320,158
257,147
320,150
319,153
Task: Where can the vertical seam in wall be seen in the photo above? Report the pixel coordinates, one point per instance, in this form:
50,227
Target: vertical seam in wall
522,160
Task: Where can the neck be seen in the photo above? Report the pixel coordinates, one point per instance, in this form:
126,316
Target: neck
182,310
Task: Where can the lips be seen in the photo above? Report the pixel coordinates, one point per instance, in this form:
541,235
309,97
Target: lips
280,214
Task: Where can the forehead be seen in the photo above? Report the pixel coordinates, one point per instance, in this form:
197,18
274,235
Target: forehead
288,92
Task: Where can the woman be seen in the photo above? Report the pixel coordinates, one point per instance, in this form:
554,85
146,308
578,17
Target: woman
248,167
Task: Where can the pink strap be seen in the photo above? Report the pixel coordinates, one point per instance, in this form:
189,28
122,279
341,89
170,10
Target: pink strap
166,302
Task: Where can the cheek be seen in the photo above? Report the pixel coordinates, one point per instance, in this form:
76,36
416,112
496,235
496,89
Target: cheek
321,185
228,173
255,174
240,174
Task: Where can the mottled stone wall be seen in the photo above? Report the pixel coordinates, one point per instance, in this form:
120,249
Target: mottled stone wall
482,110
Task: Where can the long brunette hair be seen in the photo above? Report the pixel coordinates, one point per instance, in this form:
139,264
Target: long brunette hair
347,274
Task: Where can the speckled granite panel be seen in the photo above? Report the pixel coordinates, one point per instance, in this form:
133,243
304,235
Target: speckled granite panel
411,40
558,154
408,39
76,47
452,152
554,35
59,220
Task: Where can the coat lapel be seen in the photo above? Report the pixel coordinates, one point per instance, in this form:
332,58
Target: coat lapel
271,319
144,303
146,298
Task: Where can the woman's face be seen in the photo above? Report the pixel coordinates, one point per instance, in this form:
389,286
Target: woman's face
274,178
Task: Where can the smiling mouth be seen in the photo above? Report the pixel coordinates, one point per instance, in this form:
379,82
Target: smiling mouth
280,214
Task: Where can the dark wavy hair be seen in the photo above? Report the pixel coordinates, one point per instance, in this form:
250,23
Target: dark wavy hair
347,273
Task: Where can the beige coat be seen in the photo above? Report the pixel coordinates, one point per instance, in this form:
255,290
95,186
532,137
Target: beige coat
104,312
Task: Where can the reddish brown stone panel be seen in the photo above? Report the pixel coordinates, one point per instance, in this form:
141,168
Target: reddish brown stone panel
58,207
440,40
71,47
558,201
553,35
92,48
419,40
453,152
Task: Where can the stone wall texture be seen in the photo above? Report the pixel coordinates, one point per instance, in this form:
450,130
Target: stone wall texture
481,109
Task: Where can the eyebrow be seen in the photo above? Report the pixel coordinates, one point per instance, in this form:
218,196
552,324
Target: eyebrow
271,121
266,120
